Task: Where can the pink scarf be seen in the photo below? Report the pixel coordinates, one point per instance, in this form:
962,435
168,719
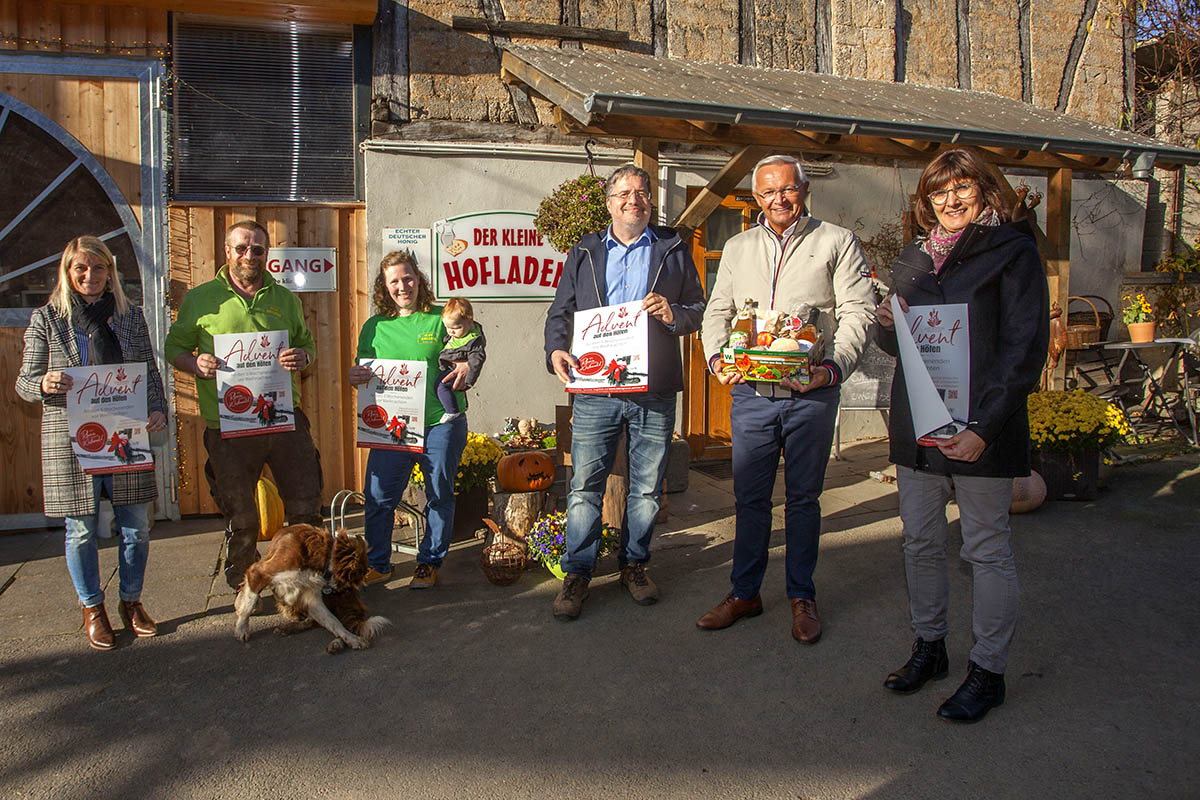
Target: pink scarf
941,241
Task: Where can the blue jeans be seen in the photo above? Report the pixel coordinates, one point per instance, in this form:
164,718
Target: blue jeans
595,431
83,561
386,479
801,428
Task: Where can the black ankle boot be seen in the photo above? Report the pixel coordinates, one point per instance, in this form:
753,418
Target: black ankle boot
928,663
981,691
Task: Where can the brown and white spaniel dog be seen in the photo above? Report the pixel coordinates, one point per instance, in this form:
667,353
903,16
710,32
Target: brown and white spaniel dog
312,585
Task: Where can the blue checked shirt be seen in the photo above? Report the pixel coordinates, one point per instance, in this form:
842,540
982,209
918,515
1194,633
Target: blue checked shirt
628,268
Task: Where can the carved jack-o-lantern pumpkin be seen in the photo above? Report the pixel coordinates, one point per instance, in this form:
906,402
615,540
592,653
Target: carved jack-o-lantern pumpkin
525,472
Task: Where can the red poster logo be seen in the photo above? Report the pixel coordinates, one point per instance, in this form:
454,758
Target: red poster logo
91,436
374,416
590,364
238,399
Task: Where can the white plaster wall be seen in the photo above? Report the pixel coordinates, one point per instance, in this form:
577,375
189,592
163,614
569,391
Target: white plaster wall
407,189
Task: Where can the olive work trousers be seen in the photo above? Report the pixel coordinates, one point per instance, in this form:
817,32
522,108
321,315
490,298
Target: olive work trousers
233,469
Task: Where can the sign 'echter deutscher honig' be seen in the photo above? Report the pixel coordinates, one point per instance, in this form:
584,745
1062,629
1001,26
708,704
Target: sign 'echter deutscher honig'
494,255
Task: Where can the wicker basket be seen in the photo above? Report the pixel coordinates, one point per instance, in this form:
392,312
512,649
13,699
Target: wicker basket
1080,335
503,562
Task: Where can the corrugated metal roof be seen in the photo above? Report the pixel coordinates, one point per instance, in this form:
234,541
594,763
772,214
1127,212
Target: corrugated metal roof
603,82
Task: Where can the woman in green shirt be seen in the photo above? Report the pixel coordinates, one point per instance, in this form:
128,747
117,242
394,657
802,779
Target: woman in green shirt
408,326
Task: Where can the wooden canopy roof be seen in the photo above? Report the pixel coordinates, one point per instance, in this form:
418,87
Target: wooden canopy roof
615,93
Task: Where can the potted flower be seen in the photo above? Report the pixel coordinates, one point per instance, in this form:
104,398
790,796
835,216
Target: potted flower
547,541
475,469
1067,431
1137,314
576,207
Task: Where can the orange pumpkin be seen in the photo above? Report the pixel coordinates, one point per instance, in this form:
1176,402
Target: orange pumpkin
525,472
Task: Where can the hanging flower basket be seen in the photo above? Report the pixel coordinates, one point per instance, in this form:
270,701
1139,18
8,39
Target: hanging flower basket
575,208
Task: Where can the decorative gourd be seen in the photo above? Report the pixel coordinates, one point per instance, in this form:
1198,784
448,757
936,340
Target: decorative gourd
525,472
270,509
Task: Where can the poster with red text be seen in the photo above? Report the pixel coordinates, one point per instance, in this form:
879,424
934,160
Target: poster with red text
391,406
935,351
612,345
106,418
254,391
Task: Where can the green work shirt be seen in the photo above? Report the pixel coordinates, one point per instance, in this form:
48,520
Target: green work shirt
417,337
215,307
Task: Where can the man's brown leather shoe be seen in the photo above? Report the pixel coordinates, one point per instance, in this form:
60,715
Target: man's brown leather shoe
137,620
95,625
729,611
806,625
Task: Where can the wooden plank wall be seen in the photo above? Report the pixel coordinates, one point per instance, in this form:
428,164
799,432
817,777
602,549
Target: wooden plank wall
196,245
71,28
104,116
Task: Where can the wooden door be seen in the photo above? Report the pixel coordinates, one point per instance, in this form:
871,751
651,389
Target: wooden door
705,401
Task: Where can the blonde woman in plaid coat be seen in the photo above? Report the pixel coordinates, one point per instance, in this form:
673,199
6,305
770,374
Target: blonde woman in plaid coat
90,321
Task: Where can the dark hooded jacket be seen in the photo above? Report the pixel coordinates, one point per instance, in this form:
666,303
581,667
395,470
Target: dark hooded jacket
672,274
997,272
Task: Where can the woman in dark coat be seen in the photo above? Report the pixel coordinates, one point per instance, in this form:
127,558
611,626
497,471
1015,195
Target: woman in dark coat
972,254
89,321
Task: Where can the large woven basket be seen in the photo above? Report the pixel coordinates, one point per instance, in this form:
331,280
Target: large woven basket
1082,334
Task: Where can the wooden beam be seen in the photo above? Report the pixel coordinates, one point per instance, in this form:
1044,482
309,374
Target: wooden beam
645,155
675,130
514,70
541,30
707,127
919,146
1057,254
721,185
355,12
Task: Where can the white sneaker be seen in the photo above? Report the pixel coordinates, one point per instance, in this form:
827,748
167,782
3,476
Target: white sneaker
448,417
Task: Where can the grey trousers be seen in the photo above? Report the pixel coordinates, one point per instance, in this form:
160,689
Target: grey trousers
983,510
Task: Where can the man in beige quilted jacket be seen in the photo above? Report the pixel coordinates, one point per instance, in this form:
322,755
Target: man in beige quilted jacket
786,260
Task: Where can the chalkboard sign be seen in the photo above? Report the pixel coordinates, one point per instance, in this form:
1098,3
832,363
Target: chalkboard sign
870,386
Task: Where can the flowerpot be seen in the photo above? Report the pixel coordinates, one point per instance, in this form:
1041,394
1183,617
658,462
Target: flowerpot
1069,474
470,507
1028,493
1141,331
556,571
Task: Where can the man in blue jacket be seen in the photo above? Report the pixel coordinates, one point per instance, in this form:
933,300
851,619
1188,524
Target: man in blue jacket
630,261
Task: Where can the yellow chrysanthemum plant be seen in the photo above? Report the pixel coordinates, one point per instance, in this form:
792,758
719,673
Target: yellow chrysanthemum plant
1074,420
476,467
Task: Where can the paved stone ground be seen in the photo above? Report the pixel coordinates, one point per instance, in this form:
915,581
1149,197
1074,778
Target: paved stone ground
478,692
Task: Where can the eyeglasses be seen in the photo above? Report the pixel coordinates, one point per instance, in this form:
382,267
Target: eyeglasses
640,194
256,250
964,191
771,194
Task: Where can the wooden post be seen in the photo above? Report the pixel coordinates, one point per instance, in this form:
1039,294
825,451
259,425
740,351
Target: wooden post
1057,250
645,155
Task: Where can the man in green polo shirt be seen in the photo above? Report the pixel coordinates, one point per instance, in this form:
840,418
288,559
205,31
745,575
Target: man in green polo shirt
244,298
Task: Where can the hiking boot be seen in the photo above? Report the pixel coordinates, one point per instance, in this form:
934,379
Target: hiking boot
981,691
570,598
375,576
928,663
424,577
641,588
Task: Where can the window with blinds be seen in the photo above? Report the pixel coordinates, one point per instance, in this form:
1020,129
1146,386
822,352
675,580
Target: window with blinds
262,111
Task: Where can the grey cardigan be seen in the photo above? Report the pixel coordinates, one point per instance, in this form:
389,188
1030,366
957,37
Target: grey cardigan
50,345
